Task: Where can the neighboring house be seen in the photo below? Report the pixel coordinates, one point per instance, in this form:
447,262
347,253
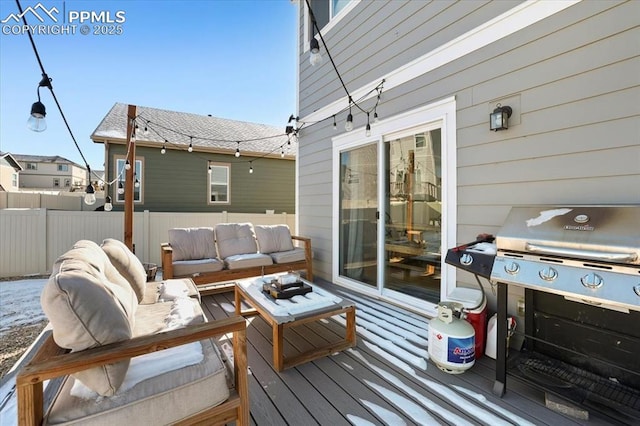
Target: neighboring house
51,173
210,178
9,172
431,167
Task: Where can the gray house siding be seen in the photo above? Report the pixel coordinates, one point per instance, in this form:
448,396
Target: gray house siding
177,182
573,80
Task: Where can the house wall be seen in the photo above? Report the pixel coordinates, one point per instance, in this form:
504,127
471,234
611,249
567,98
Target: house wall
6,177
177,182
45,173
571,78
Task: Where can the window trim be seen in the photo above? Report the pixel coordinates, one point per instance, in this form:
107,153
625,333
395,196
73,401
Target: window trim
333,21
63,167
115,195
227,166
56,182
31,166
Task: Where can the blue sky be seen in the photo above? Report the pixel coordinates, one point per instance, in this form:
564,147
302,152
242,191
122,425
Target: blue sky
231,59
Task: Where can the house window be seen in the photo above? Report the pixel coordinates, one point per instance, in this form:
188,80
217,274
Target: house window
219,183
32,166
138,181
14,180
56,183
67,183
327,14
63,167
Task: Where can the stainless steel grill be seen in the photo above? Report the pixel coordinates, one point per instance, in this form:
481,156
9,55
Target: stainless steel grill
587,254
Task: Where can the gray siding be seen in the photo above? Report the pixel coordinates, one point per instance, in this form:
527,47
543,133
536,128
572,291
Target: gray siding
177,182
573,81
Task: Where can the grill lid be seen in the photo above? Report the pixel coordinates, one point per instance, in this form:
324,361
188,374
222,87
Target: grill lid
600,233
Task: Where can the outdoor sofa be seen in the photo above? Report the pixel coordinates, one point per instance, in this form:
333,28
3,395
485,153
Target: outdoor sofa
117,327
232,251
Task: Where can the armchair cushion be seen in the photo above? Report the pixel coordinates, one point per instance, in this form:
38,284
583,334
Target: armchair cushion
240,261
185,268
127,264
295,255
78,277
274,238
192,243
235,238
168,395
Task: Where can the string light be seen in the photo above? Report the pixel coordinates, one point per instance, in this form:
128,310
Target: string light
36,121
120,188
90,196
164,147
209,171
335,125
127,165
238,150
348,126
315,58
250,166
367,132
190,149
108,206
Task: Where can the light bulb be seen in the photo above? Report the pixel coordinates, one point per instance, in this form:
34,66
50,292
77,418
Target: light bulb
127,165
137,183
375,117
163,150
237,152
209,171
90,196
250,169
36,121
145,132
348,126
107,204
315,58
120,191
368,130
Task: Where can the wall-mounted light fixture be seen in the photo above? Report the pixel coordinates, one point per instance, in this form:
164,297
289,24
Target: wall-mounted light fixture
499,118
36,121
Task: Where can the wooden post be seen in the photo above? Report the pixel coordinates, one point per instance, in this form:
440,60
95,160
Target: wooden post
129,179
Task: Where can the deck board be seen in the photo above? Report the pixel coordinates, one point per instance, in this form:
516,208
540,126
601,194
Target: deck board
367,383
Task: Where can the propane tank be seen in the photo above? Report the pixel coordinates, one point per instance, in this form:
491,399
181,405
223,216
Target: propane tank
451,339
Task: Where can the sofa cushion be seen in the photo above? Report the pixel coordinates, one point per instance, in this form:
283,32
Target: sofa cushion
188,268
192,243
273,238
235,238
295,255
88,310
164,398
163,316
127,264
241,261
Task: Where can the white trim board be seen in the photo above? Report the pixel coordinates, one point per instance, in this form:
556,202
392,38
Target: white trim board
514,20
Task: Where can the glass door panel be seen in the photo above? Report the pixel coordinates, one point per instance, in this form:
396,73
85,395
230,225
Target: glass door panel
358,211
413,215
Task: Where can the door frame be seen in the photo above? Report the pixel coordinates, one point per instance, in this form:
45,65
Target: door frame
443,112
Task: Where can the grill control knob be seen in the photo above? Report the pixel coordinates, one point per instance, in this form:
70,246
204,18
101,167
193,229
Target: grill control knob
466,259
548,274
512,268
592,280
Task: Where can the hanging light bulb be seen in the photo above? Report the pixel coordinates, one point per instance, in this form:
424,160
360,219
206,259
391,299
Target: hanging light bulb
137,183
90,195
145,132
375,117
190,149
164,148
250,167
335,125
209,171
127,165
315,58
238,150
36,121
367,131
348,126
120,188
107,204
282,153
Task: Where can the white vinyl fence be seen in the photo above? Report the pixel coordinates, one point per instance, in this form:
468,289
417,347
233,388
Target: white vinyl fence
32,239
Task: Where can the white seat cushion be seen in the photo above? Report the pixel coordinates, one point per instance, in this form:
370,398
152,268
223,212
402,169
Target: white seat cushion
273,238
241,261
165,398
192,243
235,238
295,255
187,268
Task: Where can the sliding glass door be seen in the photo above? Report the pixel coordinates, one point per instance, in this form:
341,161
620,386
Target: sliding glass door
357,214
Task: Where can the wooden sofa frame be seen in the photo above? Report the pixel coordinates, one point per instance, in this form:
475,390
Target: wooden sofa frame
232,274
51,361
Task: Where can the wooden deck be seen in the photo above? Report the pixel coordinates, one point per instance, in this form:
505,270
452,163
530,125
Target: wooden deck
378,382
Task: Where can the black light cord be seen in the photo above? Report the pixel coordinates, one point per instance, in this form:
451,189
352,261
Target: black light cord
46,78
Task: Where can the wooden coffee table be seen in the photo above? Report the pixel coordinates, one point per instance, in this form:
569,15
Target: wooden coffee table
283,313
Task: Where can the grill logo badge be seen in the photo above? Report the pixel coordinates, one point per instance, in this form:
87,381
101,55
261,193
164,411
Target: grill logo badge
581,219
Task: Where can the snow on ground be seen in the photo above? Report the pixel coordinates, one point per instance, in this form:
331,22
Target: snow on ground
20,303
